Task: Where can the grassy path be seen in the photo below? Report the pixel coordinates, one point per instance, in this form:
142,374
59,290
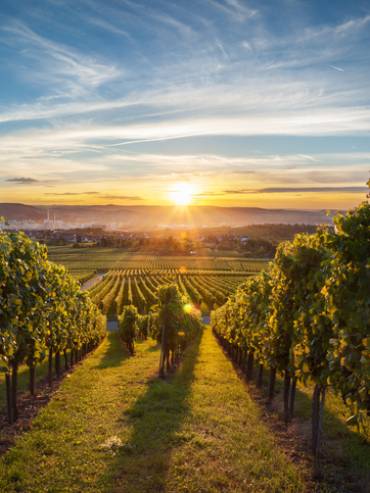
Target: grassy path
112,427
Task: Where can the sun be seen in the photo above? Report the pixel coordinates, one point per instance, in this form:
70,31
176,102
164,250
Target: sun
182,193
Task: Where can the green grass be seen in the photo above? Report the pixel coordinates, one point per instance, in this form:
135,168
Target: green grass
345,446
23,380
81,261
114,427
346,451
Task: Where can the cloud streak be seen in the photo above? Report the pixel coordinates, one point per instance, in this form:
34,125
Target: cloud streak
22,180
235,9
121,197
242,191
59,64
330,122
56,194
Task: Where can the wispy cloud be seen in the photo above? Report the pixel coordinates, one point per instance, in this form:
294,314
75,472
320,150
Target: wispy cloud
96,194
108,26
121,197
314,189
180,27
22,180
56,194
28,154
352,25
334,32
235,9
238,191
330,121
58,63
299,190
209,194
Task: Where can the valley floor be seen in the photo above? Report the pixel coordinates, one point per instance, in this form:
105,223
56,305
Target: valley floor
112,426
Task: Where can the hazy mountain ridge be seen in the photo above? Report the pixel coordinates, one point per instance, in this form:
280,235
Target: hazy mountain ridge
21,212
152,217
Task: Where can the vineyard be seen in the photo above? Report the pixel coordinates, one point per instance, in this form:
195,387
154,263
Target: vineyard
44,314
307,318
84,262
138,286
160,404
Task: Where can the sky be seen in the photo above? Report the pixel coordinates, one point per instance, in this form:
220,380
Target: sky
238,102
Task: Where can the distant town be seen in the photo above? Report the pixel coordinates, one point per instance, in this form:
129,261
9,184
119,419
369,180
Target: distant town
247,241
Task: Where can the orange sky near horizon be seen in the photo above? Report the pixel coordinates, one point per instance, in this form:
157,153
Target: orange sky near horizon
196,197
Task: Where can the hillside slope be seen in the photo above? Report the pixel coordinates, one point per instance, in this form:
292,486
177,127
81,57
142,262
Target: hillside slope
152,217
114,427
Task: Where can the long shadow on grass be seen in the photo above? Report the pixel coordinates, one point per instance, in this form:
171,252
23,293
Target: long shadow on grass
346,456
142,464
153,349
115,352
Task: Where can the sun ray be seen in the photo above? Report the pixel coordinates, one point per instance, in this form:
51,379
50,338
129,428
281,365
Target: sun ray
182,193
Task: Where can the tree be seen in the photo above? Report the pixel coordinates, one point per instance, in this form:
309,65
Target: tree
177,322
170,316
128,326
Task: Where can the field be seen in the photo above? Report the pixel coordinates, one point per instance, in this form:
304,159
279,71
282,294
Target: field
82,262
116,278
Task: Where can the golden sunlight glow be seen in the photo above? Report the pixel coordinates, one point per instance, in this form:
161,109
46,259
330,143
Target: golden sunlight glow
188,308
182,193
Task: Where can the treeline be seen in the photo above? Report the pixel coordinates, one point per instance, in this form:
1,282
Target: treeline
257,248
155,245
308,318
275,232
43,315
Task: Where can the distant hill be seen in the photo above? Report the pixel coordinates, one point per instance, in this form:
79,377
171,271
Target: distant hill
21,212
153,217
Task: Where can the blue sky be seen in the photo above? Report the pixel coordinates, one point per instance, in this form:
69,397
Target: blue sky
249,102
